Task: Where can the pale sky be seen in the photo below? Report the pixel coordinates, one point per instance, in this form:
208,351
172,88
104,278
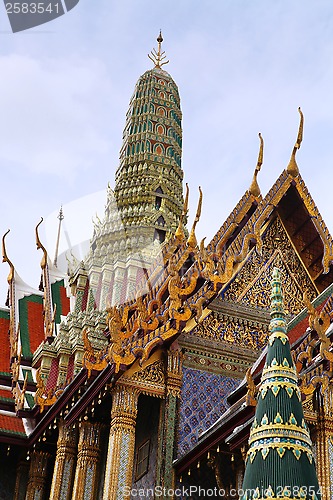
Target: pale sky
241,67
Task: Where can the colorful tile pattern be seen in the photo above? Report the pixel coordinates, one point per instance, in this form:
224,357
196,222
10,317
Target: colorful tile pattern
4,341
203,402
53,375
60,299
31,323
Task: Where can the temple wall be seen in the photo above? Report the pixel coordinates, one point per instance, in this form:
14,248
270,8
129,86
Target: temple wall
203,401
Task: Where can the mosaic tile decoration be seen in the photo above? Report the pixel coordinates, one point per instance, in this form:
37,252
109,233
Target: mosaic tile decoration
203,402
330,454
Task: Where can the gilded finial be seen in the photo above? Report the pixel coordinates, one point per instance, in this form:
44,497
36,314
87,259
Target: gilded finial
5,259
40,245
179,231
158,57
292,168
254,188
192,241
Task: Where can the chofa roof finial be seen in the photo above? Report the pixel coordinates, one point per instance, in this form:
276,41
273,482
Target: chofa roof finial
6,259
292,168
254,188
192,240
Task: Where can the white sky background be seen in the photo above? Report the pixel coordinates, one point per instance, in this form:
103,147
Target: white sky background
241,67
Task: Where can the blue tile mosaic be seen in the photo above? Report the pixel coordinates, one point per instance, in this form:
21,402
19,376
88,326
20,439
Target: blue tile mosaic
203,402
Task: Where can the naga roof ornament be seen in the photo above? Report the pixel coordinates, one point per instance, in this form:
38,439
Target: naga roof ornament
279,461
13,327
192,241
180,229
158,57
254,188
49,314
292,168
5,258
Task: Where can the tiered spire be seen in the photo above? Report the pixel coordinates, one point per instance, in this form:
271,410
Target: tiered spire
280,461
148,193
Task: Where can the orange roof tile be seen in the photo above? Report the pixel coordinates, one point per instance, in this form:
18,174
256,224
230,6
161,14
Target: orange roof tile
11,425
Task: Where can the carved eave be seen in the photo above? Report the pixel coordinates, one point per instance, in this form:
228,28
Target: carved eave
148,378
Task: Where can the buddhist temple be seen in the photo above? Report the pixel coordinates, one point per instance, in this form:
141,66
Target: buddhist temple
164,366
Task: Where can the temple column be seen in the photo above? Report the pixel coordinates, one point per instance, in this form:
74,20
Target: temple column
86,474
64,467
132,272
119,276
165,472
324,454
22,473
37,476
93,288
78,289
63,367
104,298
120,458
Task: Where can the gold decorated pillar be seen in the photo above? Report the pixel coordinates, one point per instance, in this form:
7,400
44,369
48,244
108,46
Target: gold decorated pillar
165,470
89,450
64,467
324,454
120,458
37,476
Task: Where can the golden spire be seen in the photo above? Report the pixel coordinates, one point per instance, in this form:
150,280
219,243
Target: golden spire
157,56
61,218
292,168
180,232
192,241
254,188
5,259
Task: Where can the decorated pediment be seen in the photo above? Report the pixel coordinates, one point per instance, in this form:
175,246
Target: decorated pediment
251,285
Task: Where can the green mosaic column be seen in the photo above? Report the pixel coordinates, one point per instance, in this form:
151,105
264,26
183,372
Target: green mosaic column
120,458
165,471
86,474
64,468
37,476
